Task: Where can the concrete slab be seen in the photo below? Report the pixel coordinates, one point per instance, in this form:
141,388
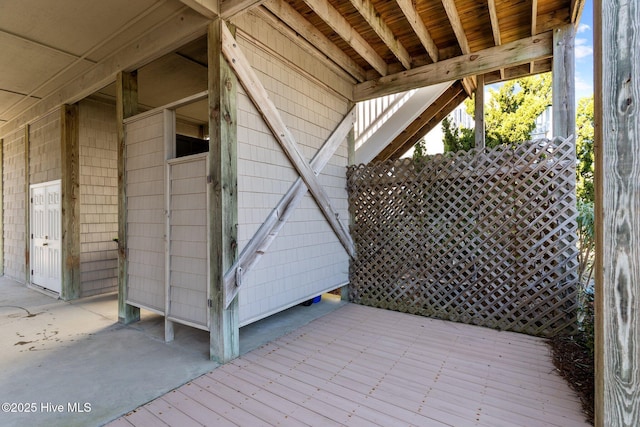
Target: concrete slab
72,364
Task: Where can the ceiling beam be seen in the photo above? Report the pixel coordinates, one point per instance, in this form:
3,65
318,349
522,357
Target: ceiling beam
495,24
456,24
491,59
283,12
341,26
416,129
576,11
419,28
534,26
206,8
181,28
534,17
495,27
369,13
225,8
231,8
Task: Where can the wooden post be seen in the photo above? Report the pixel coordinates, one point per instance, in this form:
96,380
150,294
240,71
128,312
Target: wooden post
126,106
563,84
617,185
70,196
224,337
351,160
27,209
479,113
1,207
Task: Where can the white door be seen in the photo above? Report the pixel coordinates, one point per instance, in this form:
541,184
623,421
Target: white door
45,236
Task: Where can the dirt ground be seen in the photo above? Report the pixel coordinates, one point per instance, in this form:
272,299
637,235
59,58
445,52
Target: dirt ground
574,361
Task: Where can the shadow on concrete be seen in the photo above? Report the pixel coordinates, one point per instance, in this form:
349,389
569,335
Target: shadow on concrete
72,364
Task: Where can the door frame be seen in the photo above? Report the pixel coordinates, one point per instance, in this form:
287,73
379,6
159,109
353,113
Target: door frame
58,183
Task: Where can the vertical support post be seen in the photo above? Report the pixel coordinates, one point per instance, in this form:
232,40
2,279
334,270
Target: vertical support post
2,207
351,160
70,192
169,118
224,331
617,215
27,208
563,84
479,113
126,106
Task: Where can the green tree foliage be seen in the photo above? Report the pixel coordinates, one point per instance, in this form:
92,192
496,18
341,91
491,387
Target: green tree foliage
420,150
584,149
457,139
510,113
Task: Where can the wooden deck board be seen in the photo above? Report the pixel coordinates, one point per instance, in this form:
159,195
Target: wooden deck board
361,366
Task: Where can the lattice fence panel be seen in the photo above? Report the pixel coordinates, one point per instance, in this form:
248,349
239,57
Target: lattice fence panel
486,238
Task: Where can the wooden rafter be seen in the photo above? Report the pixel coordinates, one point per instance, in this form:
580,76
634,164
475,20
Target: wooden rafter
495,24
534,26
419,28
491,59
456,24
258,94
282,11
369,13
576,11
534,17
341,26
448,101
495,27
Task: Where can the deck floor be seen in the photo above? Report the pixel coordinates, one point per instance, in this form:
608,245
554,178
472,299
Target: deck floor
361,366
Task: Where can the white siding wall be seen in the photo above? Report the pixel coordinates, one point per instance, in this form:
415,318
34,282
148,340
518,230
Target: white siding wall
13,176
188,252
44,149
98,198
306,259
146,221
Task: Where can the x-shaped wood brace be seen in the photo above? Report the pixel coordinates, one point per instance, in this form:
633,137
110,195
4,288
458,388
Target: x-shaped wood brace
308,172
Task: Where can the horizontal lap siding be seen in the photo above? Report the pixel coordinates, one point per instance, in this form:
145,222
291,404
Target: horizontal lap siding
306,258
13,174
188,252
98,198
145,212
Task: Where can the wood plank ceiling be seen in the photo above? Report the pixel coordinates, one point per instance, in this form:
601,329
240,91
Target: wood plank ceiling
384,37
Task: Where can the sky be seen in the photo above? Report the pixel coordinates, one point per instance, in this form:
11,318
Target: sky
584,53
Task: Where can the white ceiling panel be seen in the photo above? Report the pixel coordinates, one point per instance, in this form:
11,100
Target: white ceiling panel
74,26
25,65
9,98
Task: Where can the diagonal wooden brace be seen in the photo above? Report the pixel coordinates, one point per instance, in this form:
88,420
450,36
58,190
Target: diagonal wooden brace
270,228
257,93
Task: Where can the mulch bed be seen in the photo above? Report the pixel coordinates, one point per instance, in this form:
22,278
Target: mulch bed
574,361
